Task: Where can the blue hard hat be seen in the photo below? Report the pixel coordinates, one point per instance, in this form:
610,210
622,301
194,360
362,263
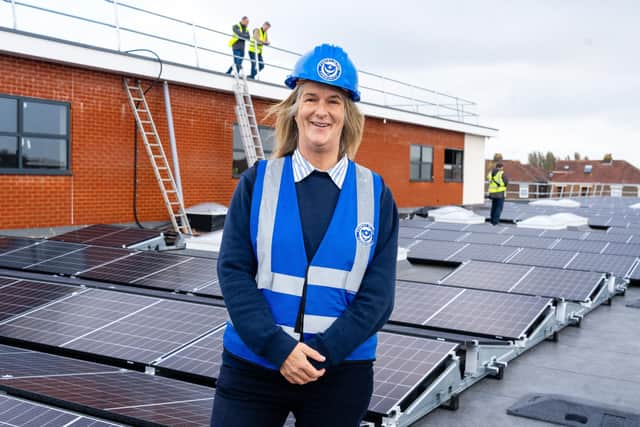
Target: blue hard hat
327,64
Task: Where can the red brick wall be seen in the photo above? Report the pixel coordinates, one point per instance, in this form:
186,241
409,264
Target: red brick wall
100,187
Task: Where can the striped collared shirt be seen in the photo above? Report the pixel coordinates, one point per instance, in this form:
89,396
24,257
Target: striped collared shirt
302,169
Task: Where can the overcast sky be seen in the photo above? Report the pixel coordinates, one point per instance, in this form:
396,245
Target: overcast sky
550,75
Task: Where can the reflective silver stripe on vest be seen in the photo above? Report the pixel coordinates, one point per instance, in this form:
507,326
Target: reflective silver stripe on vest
286,284
329,277
364,191
267,219
316,324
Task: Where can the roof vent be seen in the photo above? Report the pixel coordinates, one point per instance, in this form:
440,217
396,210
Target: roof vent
588,168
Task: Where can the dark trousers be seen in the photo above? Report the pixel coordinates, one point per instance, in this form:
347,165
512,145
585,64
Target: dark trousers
260,65
238,56
248,395
497,203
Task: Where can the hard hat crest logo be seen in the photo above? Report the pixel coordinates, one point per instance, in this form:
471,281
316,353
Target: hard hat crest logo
364,233
329,69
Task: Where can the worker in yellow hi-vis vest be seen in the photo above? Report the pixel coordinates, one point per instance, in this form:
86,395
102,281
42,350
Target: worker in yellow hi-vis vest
258,41
236,43
497,191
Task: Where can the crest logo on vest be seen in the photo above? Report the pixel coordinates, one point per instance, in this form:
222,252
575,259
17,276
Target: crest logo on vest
364,233
329,69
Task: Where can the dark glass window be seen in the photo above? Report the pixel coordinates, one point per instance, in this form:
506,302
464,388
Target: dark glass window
453,161
8,152
34,135
421,163
8,115
239,164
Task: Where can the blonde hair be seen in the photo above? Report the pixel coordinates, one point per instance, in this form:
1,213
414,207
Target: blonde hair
286,132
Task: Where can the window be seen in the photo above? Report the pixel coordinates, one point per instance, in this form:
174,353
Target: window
452,165
421,163
239,164
34,135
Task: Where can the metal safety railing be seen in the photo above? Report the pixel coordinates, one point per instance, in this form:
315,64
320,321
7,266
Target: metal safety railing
132,27
559,190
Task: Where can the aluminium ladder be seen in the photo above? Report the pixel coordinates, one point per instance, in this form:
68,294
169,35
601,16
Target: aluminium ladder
247,122
161,168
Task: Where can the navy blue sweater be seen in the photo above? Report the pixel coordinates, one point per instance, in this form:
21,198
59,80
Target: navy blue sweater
249,310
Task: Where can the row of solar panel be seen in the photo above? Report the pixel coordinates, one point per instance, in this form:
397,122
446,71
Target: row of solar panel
114,265
174,336
457,252
511,236
570,285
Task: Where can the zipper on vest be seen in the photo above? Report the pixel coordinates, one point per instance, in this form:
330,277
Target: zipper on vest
303,302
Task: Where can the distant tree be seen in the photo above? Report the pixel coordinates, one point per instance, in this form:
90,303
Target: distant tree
497,157
549,162
576,156
536,158
586,157
567,157
608,157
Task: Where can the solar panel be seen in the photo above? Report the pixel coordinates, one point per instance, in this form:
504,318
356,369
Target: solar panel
486,275
124,238
38,253
402,365
84,259
443,235
564,234
406,243
529,242
451,226
409,232
629,249
434,251
619,265
87,233
542,257
416,223
522,231
580,245
194,273
141,397
212,290
485,238
4,281
635,274
483,252
571,285
203,357
6,349
79,315
135,267
35,364
486,227
8,244
416,302
26,295
17,412
606,237
490,313
152,332
599,221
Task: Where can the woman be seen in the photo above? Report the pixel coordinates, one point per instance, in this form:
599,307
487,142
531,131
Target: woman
307,263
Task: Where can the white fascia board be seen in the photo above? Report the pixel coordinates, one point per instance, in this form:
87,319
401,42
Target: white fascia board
38,47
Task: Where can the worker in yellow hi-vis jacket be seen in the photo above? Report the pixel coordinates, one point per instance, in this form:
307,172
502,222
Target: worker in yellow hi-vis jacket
497,191
258,41
237,41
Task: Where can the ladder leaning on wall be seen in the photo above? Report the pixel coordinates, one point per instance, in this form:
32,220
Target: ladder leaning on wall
247,121
161,168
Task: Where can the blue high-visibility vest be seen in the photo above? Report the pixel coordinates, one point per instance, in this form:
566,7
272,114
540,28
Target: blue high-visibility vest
307,297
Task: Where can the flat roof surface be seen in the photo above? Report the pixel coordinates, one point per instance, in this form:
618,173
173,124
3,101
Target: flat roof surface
597,361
